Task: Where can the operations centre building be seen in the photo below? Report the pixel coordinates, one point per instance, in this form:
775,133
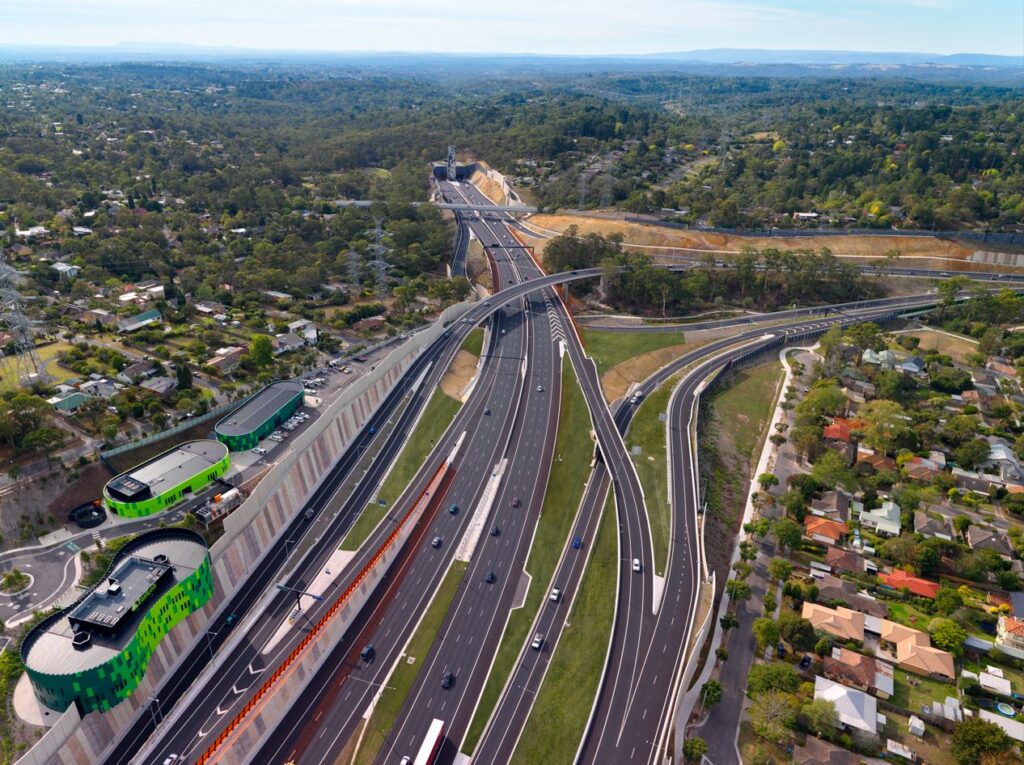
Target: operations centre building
163,481
95,652
259,416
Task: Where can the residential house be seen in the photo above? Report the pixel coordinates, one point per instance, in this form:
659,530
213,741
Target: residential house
841,622
832,589
855,709
927,526
280,297
884,520
1003,459
139,321
899,579
824,530
1001,365
140,370
287,343
978,483
873,458
66,270
97,315
102,388
841,429
833,504
979,538
68,402
305,329
914,365
914,651
208,307
161,386
885,359
866,673
369,324
921,468
1010,636
815,751
226,359
848,561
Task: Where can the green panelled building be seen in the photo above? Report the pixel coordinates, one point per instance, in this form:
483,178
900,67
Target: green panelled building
259,416
163,481
95,652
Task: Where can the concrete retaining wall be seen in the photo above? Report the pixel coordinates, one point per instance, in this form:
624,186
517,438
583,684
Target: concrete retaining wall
250,532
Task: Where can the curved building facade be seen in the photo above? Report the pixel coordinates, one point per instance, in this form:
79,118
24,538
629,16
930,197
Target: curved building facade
95,652
258,417
163,481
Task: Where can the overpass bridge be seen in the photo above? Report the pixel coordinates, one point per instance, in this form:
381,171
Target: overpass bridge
454,206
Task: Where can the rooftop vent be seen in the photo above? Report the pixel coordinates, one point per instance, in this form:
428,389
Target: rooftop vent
81,641
160,558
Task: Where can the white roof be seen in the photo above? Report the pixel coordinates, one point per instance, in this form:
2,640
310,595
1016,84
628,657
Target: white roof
854,708
994,683
1012,728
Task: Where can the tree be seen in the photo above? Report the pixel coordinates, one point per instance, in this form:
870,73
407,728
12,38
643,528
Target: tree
710,693
767,480
974,738
831,470
728,621
948,600
972,453
947,635
884,424
779,569
738,589
797,631
774,676
819,716
184,374
773,715
261,351
767,633
787,533
694,749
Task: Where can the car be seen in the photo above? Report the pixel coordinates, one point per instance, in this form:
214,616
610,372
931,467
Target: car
171,760
448,680
276,438
310,514
368,652
555,596
538,641
436,542
540,388
511,281
453,509
503,332
495,531
517,502
577,542
487,411
405,760
636,565
373,429
260,450
490,577
805,662
487,303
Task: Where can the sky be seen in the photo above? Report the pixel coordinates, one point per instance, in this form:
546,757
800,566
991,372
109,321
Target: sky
585,27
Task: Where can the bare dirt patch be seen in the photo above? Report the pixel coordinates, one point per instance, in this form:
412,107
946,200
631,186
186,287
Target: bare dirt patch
477,267
652,239
459,374
489,187
89,485
953,345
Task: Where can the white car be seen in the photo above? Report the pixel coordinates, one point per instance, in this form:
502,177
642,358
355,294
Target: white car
636,565
538,641
260,450
555,596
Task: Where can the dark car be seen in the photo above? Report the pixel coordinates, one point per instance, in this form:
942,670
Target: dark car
487,411
231,619
453,509
368,653
495,531
490,577
448,680
805,662
516,502
780,649
436,542
577,542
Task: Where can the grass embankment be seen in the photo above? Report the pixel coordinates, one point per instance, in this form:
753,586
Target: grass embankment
559,715
608,349
401,681
438,414
474,342
648,432
564,493
743,410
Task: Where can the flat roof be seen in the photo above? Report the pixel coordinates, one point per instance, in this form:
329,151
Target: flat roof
110,604
259,408
51,651
169,469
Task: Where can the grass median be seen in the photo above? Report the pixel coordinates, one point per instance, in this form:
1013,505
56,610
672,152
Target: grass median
647,431
474,342
560,713
401,681
437,415
608,349
564,491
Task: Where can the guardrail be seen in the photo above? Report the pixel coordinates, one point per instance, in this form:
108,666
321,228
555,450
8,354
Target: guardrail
433,489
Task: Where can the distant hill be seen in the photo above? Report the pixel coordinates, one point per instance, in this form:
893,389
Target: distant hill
826,57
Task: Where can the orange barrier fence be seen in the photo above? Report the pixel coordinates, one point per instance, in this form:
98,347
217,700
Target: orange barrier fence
289,663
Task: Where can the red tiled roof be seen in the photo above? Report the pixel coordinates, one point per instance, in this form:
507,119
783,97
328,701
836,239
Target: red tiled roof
840,429
834,530
899,579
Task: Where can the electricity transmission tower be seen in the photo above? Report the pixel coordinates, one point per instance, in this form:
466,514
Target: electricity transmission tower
24,365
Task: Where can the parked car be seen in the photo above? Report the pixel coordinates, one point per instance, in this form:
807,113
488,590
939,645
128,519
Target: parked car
260,450
805,662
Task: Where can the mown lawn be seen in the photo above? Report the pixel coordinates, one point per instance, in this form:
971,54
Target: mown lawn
564,492
610,348
647,431
912,691
437,415
48,355
555,726
474,342
405,674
